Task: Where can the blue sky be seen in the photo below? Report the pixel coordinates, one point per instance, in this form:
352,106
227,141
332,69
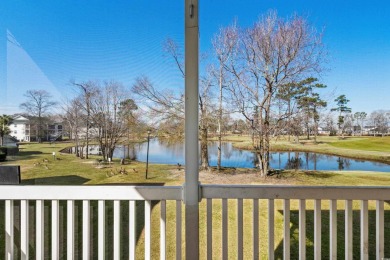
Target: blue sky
102,40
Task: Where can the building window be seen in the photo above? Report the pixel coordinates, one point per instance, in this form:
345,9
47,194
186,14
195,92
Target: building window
15,132
15,126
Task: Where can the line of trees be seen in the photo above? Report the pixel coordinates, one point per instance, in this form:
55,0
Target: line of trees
102,112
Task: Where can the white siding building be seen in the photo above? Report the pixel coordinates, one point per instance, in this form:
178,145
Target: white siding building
20,128
54,130
23,131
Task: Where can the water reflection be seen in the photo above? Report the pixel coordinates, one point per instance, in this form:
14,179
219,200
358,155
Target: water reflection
294,163
166,152
343,163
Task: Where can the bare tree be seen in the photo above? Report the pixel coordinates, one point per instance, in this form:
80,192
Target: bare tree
205,117
328,123
164,106
88,90
107,123
348,122
167,108
38,104
224,43
73,116
360,117
380,120
174,50
127,111
287,96
268,55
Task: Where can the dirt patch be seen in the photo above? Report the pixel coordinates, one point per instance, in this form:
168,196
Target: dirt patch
87,162
234,176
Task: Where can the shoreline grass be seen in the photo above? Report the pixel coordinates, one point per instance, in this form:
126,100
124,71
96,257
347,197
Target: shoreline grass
364,148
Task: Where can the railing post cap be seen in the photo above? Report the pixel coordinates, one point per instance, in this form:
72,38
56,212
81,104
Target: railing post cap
183,194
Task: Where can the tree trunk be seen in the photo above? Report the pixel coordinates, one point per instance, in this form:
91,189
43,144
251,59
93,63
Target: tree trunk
111,152
264,135
204,150
219,152
308,131
87,133
220,121
263,162
289,120
341,134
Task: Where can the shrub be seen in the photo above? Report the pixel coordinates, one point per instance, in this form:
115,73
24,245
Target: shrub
9,150
3,150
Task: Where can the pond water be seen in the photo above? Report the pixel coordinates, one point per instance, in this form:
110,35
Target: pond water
173,153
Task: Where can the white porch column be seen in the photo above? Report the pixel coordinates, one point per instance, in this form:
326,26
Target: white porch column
191,190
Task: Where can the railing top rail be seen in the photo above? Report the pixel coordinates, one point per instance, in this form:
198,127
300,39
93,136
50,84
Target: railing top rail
89,192
123,192
296,192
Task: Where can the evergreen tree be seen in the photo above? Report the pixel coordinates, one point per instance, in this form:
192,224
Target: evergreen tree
341,102
5,121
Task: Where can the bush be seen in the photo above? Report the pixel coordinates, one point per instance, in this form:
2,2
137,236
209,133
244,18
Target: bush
9,150
3,150
3,156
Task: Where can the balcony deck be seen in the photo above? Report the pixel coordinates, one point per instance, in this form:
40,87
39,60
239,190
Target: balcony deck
259,211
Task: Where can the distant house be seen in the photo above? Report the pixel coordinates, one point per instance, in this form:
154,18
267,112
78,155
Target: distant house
323,131
24,129
82,133
369,130
54,131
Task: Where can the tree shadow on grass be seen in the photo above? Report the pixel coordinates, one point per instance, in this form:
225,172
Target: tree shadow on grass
319,174
134,184
56,180
325,230
26,155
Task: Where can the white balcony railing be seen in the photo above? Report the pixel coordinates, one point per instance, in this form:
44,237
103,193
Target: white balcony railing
244,223
302,194
86,194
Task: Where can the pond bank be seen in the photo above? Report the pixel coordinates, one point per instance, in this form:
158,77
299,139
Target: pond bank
70,170
172,153
361,148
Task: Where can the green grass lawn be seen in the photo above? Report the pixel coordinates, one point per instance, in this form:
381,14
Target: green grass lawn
378,144
39,168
